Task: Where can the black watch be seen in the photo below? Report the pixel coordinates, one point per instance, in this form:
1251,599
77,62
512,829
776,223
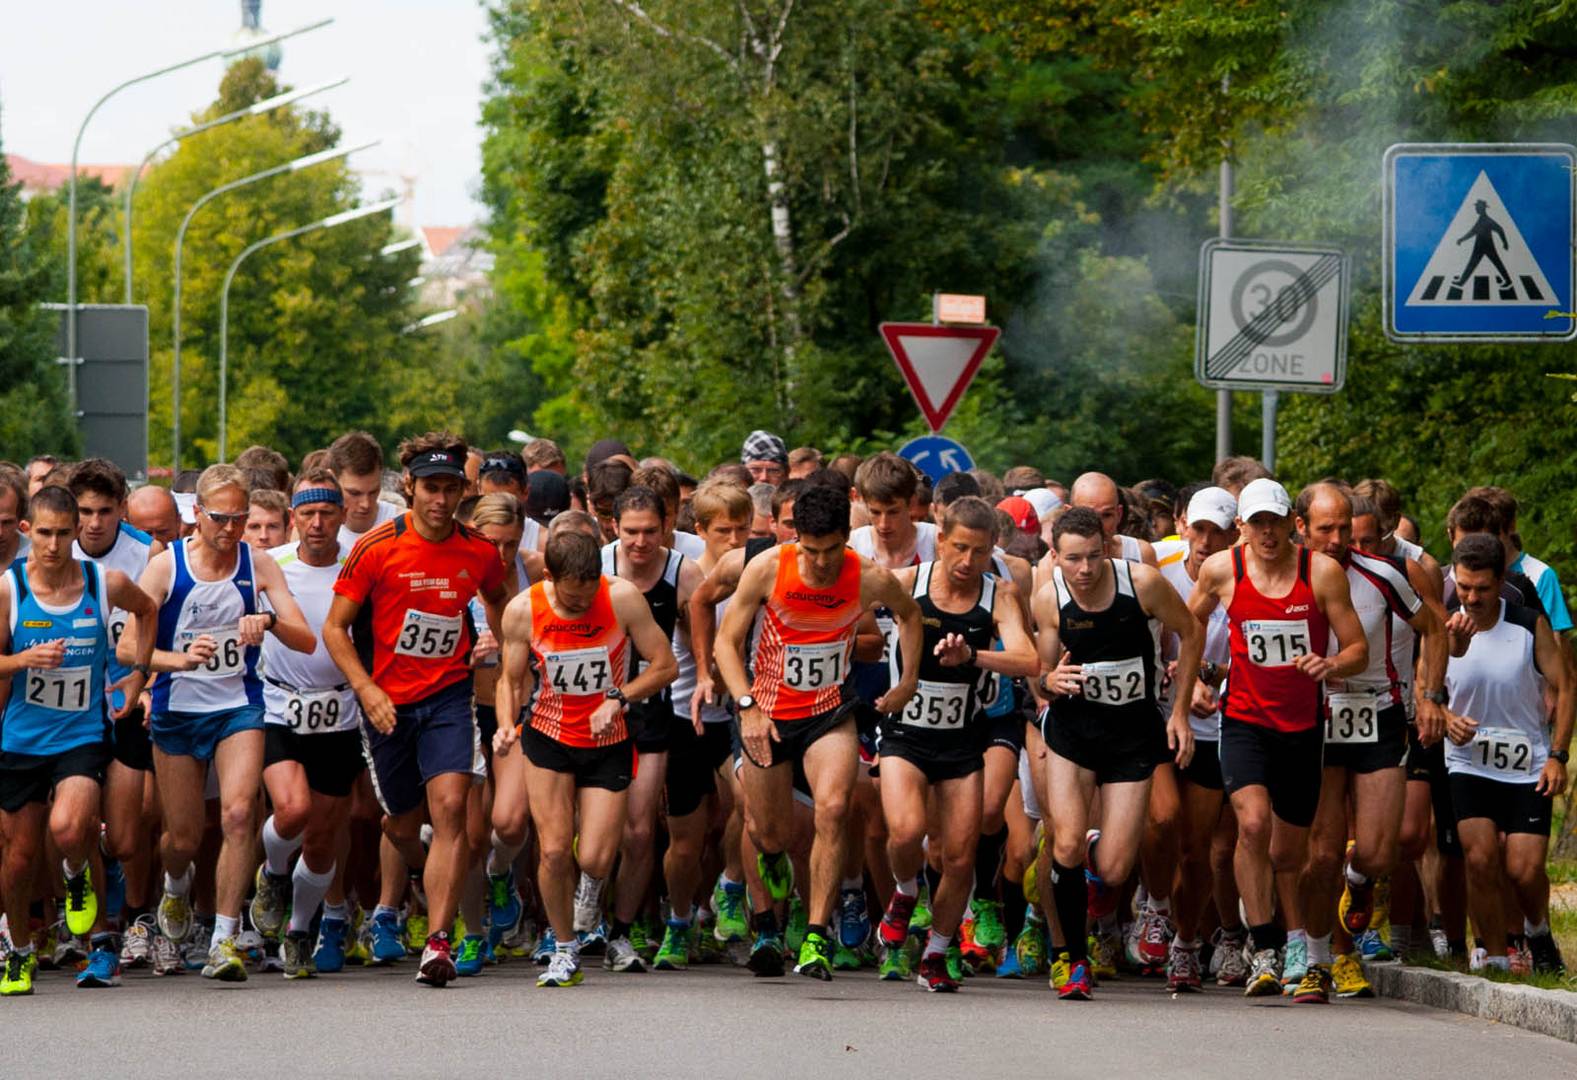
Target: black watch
615,694
145,669
1562,756
1438,696
973,653
273,618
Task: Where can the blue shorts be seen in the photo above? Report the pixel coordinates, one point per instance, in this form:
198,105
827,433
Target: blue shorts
433,736
198,735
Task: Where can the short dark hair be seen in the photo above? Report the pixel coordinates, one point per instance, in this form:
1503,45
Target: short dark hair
431,442
639,497
955,486
970,512
821,511
1480,551
1076,521
788,491
664,483
571,554
54,498
885,478
357,453
606,480
1473,514
271,467
99,476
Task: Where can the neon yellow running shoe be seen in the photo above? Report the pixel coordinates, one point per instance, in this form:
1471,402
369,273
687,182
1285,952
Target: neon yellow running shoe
82,903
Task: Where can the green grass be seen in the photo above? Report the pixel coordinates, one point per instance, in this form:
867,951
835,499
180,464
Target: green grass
1562,871
1563,923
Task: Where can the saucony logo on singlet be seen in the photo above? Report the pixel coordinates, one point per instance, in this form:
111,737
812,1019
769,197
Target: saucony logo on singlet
583,630
820,599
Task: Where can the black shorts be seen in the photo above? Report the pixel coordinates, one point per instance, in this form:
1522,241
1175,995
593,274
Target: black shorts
1288,765
609,767
1122,753
1428,765
1388,750
332,759
31,778
1204,768
938,763
796,736
486,727
653,728
1006,731
1514,808
693,761
132,747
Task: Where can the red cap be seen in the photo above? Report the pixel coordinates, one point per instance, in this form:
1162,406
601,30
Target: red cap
1022,512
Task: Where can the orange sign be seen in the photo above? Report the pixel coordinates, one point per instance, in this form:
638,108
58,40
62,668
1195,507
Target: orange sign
959,308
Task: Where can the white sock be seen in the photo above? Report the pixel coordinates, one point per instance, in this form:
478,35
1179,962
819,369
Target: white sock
340,911
1294,935
225,927
65,864
1501,962
1320,949
936,944
910,888
1354,877
306,893
1540,930
568,947
1179,943
854,884
277,850
179,886
725,881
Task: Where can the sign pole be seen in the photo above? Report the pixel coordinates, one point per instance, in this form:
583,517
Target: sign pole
1269,402
1224,397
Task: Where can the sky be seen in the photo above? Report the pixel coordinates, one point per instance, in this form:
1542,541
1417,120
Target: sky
416,70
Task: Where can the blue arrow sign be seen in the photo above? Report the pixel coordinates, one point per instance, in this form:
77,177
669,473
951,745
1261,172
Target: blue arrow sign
1479,242
936,456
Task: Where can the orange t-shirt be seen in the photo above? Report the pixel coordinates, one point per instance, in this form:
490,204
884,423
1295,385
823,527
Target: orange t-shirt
576,662
802,657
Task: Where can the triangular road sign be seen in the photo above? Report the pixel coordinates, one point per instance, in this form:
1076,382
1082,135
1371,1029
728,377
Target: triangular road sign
1482,259
938,362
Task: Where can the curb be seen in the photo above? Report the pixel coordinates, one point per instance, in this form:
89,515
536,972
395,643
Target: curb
1548,1012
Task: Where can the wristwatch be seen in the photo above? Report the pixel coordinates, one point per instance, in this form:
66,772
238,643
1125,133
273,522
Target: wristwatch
1209,671
1561,756
613,693
144,669
273,618
746,702
1438,696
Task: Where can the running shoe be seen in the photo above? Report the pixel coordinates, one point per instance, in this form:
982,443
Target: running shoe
955,963
137,943
920,921
254,950
815,958
1439,943
504,907
674,953
18,977
1182,972
437,968
547,945
777,875
1263,979
894,966
1294,962
563,970
1312,988
934,975
1131,960
175,917
1103,949
269,900
1546,954
976,955
989,933
728,901
1478,959
766,956
1009,968
1077,986
471,956
588,904
103,966
359,936
82,903
1155,940
1061,970
329,956
642,939
295,954
621,956
387,948
894,927
1520,960
416,934
1100,901
1373,948
1029,949
798,925
70,951
166,956
1230,958
225,963
1356,907
1348,978
854,921
593,942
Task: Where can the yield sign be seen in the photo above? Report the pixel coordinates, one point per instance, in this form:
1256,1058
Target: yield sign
938,362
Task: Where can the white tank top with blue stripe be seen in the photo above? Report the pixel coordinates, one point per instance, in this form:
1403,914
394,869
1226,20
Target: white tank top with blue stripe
193,608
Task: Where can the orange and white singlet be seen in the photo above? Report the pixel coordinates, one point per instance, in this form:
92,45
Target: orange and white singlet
807,634
576,662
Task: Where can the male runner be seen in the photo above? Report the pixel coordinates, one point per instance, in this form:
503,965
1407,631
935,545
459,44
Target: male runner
1099,492
152,509
13,510
569,636
209,707
54,738
935,746
268,523
357,462
405,588
813,592
1283,602
1098,619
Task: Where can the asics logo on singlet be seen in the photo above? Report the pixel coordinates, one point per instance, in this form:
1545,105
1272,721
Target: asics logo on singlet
821,600
1294,609
580,629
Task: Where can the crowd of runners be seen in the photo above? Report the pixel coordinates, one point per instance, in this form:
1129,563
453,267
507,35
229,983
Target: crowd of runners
801,715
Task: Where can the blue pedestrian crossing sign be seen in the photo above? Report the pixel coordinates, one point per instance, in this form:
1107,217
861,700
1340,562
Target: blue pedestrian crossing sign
1479,242
936,456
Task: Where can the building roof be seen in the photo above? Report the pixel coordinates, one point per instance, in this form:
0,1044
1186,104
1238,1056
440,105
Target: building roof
39,176
440,238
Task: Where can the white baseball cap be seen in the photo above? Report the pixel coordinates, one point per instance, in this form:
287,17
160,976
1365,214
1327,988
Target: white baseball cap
1263,496
1043,500
1213,504
186,503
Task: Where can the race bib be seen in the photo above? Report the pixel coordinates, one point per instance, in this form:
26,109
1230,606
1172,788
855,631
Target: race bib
1274,643
312,712
427,636
1352,718
813,667
889,628
938,706
118,621
579,672
59,689
1507,752
1114,682
229,658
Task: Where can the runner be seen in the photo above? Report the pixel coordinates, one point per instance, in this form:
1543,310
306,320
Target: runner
576,757
55,644
208,711
13,511
813,592
153,510
1099,492
405,588
1098,622
935,747
268,523
357,462
1283,601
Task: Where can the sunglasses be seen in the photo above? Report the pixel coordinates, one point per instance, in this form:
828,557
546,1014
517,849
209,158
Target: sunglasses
224,520
502,464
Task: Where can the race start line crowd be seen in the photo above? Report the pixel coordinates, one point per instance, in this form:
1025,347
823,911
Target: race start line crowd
800,715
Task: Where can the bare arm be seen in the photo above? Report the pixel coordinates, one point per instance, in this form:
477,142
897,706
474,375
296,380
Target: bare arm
1334,597
155,583
290,625
1017,657
1161,601
756,732
143,611
879,587
712,590
1432,647
1551,656
633,611
514,678
375,704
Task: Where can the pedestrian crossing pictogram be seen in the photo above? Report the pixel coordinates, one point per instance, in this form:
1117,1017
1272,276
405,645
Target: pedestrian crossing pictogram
1482,257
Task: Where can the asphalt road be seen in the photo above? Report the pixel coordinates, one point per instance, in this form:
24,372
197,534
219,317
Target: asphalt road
720,1021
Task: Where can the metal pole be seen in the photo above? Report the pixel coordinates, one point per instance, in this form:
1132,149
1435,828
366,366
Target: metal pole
1269,402
71,182
224,298
180,239
261,107
1224,204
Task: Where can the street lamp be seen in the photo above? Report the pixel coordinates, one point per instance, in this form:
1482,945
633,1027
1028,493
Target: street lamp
399,246
180,238
432,320
261,107
329,222
71,212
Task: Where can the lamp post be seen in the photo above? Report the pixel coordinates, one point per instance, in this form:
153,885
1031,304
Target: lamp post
180,238
329,222
432,320
71,211
266,105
